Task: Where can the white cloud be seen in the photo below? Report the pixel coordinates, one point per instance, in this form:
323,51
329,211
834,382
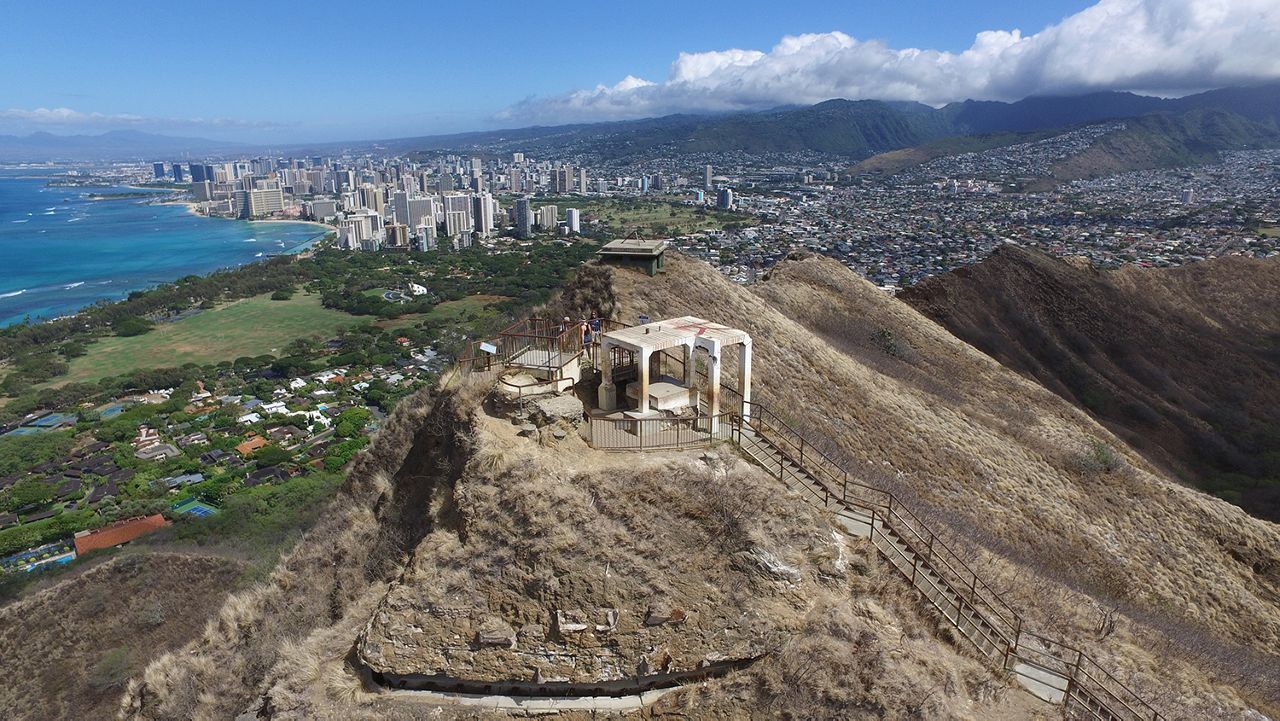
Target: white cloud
1167,47
69,118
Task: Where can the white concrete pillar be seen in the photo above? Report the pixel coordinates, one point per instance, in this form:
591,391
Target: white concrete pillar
606,399
744,375
645,354
713,384
690,372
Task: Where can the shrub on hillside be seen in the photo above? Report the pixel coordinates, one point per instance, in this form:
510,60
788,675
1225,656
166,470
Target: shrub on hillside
133,326
1099,459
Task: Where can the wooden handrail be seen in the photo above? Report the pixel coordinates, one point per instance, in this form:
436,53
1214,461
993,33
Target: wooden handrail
897,516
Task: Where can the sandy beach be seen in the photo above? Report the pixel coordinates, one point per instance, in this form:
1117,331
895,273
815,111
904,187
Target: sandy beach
317,223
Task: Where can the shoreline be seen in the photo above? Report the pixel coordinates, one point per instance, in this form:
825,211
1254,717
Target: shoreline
326,226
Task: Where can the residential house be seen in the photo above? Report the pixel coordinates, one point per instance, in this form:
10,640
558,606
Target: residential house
248,447
158,452
185,479
118,533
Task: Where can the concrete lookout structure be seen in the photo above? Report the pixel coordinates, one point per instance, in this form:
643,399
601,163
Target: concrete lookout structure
667,393
643,255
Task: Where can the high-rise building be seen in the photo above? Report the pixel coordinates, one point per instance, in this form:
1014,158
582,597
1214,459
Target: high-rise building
323,208
548,216
573,219
426,237
455,221
361,230
158,169
517,157
421,210
371,198
397,236
582,180
724,199
263,201
458,203
706,179
177,173
524,219
482,214
202,191
197,173
400,211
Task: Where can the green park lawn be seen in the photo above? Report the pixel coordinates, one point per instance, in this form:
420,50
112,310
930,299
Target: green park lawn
652,218
446,313
249,327
1270,230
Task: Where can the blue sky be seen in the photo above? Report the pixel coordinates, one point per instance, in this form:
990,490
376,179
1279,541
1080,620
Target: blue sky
326,70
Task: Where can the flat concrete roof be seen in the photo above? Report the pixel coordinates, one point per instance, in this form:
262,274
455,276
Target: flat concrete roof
633,246
663,334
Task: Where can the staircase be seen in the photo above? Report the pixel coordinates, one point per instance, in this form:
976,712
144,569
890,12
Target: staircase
1052,671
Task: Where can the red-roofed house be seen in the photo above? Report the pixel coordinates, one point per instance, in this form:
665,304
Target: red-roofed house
118,533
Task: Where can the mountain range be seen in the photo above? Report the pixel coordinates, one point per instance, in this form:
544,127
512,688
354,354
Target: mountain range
111,145
855,129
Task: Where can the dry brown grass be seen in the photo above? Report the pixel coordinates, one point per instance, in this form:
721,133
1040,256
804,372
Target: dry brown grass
376,519
68,650
760,573
992,454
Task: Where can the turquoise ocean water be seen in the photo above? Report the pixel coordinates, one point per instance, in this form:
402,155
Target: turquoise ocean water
60,251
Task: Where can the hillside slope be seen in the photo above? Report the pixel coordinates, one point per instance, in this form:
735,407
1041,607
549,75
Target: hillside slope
1183,363
1002,461
509,561
70,649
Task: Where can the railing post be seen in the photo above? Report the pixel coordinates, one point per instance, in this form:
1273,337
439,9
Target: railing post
915,562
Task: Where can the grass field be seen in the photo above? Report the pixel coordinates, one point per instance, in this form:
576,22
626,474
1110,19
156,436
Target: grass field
652,218
249,327
1272,231
451,311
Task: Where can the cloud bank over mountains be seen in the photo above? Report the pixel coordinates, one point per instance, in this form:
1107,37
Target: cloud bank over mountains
1163,47
70,120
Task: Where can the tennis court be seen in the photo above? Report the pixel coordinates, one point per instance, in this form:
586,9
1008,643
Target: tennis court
194,507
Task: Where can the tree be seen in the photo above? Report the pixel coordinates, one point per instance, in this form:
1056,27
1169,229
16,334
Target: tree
28,493
133,326
272,455
351,422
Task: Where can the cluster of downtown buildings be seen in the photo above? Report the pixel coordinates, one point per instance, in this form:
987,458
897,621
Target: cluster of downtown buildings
395,204
893,230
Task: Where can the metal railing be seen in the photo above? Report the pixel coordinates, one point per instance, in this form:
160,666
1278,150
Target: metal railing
661,433
915,550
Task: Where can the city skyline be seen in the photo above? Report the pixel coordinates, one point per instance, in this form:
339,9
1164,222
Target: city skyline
258,74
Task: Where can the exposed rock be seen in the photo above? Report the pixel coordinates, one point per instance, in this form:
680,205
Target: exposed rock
553,409
496,632
660,613
570,621
610,621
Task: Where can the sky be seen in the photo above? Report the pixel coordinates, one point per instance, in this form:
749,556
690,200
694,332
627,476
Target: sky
274,72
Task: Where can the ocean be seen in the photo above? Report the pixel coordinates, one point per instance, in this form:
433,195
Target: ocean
61,251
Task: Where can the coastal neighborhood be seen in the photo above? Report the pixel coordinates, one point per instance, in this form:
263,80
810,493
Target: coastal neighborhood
110,473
